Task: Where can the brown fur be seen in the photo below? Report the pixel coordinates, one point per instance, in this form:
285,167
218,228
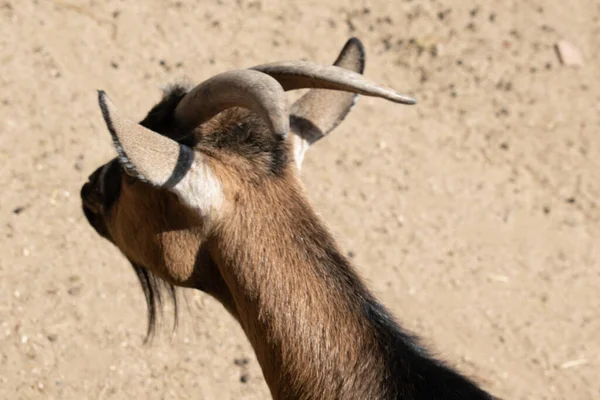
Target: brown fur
317,331
306,330
269,249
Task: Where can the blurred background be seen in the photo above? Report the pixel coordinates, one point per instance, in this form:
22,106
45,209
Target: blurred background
473,215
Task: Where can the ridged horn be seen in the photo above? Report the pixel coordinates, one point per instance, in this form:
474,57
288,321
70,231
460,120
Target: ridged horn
305,74
239,88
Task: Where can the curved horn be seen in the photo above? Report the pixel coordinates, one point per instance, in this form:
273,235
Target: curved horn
319,111
143,153
239,88
304,74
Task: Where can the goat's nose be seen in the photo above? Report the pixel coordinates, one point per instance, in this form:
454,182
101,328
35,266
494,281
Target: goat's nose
90,198
93,178
85,191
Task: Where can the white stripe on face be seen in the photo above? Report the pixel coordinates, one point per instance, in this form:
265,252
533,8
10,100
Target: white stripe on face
201,190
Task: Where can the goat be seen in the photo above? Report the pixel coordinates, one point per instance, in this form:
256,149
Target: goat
205,193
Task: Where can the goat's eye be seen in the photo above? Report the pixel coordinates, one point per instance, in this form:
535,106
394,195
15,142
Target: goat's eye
130,180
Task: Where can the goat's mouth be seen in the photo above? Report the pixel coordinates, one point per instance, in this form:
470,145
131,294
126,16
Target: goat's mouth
92,210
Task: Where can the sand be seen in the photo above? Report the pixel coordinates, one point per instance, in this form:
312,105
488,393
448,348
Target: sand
473,215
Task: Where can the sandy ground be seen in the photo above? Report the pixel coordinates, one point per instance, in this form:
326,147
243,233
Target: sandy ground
474,215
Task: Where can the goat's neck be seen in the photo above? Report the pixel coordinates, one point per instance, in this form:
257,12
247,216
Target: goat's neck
298,300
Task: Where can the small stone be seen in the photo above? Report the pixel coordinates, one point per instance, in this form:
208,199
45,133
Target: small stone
443,14
52,337
244,378
351,254
546,210
569,54
74,291
241,361
164,64
19,210
503,112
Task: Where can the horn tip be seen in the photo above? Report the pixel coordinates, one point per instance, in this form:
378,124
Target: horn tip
406,100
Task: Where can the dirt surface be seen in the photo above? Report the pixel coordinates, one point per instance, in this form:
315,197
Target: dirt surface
473,216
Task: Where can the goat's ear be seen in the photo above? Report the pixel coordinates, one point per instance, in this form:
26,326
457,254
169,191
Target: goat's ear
319,111
145,154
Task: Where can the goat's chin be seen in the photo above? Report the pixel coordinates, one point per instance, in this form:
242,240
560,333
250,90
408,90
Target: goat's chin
97,222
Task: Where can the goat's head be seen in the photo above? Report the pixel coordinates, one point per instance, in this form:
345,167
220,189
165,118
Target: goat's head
193,161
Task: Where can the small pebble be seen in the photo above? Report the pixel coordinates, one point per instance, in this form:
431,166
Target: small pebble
74,291
546,210
569,54
19,210
244,378
241,361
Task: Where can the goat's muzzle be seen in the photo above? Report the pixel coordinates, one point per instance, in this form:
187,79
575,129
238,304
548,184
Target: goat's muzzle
93,202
